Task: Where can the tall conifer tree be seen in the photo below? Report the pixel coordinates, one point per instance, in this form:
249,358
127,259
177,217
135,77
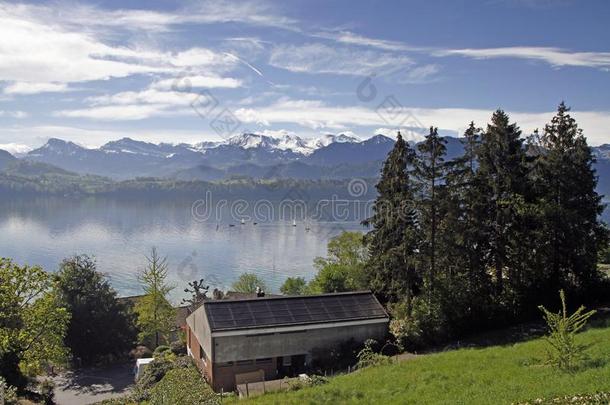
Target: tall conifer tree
430,170
572,233
501,179
392,240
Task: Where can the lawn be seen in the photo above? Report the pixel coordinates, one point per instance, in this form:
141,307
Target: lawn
498,375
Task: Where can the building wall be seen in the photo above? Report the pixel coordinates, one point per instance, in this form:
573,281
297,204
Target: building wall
253,346
200,328
204,363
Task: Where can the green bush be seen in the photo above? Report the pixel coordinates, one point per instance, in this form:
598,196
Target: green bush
368,357
178,347
563,351
47,391
161,350
182,386
7,393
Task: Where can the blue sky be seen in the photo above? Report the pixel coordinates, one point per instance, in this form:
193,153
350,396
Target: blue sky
207,70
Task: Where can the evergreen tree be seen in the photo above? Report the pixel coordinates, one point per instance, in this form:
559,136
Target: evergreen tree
572,233
429,171
467,289
501,181
392,241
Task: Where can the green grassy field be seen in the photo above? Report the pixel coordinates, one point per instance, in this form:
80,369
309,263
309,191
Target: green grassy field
494,375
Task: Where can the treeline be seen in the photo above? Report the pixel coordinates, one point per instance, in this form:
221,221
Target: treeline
22,181
462,245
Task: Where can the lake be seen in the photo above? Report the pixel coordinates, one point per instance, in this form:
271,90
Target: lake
119,233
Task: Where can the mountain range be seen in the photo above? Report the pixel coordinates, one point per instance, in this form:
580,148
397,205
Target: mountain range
330,157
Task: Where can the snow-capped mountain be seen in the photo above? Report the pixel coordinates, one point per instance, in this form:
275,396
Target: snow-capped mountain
327,139
127,157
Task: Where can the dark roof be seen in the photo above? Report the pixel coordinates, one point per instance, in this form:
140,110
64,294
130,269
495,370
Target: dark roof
232,295
294,310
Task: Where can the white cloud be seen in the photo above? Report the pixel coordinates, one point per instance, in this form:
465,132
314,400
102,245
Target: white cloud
552,56
27,88
149,96
127,112
15,148
34,136
317,115
14,114
347,37
34,50
198,81
320,58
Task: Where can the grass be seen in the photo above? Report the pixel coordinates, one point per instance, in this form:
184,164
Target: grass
499,374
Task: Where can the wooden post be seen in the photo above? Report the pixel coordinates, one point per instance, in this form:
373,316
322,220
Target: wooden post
247,391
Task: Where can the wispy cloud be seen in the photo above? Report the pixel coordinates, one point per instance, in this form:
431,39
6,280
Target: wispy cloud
14,114
552,56
27,88
320,58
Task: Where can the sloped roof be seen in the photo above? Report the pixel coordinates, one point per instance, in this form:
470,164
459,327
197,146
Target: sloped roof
292,310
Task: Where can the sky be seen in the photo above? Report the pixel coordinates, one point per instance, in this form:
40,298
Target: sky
194,71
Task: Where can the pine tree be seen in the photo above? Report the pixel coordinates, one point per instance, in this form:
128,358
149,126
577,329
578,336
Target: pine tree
393,238
572,233
430,170
468,284
501,181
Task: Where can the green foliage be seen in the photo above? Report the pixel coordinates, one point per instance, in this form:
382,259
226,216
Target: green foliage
156,316
47,391
343,268
392,241
248,283
563,351
33,322
294,286
160,350
367,357
604,255
178,347
8,394
182,386
100,325
482,240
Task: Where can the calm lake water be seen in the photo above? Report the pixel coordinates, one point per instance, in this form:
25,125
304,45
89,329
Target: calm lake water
119,233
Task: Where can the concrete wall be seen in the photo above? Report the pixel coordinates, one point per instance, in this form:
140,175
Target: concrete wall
253,346
200,328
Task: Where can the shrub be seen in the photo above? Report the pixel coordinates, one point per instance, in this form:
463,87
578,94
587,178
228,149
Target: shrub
367,357
563,352
154,372
178,347
161,350
47,391
182,386
7,393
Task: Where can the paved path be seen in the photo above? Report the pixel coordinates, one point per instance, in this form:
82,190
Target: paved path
90,385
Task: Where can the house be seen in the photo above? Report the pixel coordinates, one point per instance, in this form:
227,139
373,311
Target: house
260,339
